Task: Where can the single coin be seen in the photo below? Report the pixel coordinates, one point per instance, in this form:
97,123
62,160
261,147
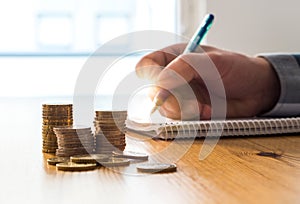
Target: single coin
110,112
74,137
74,149
75,144
48,132
108,129
56,160
48,151
65,130
48,128
50,147
58,116
49,136
110,139
71,166
157,168
49,141
73,128
54,110
79,146
74,134
112,143
100,129
57,110
69,154
110,121
75,140
58,122
72,153
114,162
113,118
93,158
55,104
130,155
110,126
111,133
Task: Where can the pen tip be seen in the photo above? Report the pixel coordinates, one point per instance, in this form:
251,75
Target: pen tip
153,109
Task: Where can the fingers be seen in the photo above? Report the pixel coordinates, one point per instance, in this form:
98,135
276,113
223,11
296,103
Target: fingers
150,65
186,102
182,77
172,71
185,110
185,68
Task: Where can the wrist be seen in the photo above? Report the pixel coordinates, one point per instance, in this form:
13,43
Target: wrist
270,91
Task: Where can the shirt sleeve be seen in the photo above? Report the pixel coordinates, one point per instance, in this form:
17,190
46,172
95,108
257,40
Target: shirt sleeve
287,67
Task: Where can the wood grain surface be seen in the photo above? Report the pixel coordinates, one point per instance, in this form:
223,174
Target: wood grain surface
232,173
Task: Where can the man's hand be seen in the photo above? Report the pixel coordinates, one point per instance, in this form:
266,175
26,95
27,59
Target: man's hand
251,85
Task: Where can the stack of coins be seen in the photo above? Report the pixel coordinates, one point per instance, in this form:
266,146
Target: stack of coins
54,115
74,141
110,131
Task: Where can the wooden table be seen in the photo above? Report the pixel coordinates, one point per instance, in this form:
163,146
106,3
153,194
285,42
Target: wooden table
232,173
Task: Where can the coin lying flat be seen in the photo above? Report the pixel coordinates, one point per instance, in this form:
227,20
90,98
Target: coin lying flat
114,162
157,168
57,160
87,159
71,166
130,155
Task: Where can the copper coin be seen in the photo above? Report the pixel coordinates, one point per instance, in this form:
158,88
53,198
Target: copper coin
71,166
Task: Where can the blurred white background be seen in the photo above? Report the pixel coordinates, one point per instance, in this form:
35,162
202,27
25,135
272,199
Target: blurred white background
45,43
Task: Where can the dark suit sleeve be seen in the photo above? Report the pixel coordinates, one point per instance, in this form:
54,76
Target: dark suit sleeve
297,57
287,67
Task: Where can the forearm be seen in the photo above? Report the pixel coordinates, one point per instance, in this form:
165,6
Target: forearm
287,67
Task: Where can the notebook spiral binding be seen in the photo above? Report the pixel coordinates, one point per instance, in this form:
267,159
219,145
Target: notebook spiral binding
239,127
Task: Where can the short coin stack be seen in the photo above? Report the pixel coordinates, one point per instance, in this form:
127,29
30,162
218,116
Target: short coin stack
74,140
54,115
110,131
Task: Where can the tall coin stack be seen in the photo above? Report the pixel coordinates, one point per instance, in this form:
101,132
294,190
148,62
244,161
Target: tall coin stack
74,141
54,115
110,131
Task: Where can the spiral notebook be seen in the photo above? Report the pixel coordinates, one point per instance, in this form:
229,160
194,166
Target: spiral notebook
237,127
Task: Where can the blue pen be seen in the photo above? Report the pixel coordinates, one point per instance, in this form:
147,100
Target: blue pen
195,41
199,34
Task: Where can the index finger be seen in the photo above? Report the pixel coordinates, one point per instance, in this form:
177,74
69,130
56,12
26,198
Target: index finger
151,65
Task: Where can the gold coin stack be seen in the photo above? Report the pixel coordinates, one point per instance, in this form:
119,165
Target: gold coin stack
110,131
54,115
74,140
